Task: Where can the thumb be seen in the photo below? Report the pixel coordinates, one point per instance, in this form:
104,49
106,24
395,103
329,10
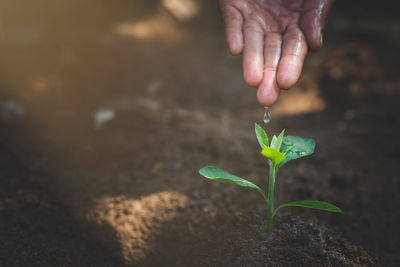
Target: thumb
313,21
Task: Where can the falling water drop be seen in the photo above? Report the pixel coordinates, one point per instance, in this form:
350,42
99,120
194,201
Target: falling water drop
267,116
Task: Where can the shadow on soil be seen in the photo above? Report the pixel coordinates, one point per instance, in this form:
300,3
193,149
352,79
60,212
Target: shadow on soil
36,230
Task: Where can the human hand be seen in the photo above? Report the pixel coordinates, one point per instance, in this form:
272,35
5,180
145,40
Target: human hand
274,36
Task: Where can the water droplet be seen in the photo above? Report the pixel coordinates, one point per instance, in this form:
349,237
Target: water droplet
267,116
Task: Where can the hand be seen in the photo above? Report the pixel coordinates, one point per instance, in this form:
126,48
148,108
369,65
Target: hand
274,36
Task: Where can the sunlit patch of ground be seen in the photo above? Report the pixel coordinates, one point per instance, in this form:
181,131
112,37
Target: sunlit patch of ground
181,9
138,222
163,24
159,26
299,101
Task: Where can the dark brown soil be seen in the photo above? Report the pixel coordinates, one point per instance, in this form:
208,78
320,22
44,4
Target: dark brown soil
36,231
78,191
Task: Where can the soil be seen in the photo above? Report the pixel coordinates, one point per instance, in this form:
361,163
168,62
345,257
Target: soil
106,118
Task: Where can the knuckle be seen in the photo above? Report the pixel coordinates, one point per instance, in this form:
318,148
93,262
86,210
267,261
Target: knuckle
273,43
270,69
296,36
231,15
253,27
292,55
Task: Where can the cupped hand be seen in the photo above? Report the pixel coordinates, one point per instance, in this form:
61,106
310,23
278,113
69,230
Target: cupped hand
274,36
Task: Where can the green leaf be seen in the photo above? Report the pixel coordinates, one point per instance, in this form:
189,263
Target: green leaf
261,136
277,141
319,205
294,147
215,173
274,155
273,141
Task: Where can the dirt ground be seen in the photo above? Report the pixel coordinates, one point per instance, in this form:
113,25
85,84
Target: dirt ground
109,108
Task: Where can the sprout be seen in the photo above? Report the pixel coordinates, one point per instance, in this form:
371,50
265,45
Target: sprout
281,150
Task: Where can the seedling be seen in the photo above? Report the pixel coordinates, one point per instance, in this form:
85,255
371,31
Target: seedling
281,150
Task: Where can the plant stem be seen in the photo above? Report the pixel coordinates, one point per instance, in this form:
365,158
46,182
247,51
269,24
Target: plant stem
271,187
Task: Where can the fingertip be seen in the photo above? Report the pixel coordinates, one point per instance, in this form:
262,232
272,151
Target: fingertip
286,81
235,47
253,60
312,28
315,39
288,74
293,55
318,42
252,78
252,67
266,99
234,39
268,91
313,21
233,28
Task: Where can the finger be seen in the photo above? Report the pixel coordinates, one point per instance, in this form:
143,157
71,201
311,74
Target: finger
253,52
313,21
233,21
293,53
268,91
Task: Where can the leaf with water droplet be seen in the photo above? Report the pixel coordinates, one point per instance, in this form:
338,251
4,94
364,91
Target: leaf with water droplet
294,147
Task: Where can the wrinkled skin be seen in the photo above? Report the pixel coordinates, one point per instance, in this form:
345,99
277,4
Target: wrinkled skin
274,36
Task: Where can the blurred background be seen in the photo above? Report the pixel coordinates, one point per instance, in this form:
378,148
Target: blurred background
109,108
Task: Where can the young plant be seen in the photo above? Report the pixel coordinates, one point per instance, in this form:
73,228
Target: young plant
281,150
